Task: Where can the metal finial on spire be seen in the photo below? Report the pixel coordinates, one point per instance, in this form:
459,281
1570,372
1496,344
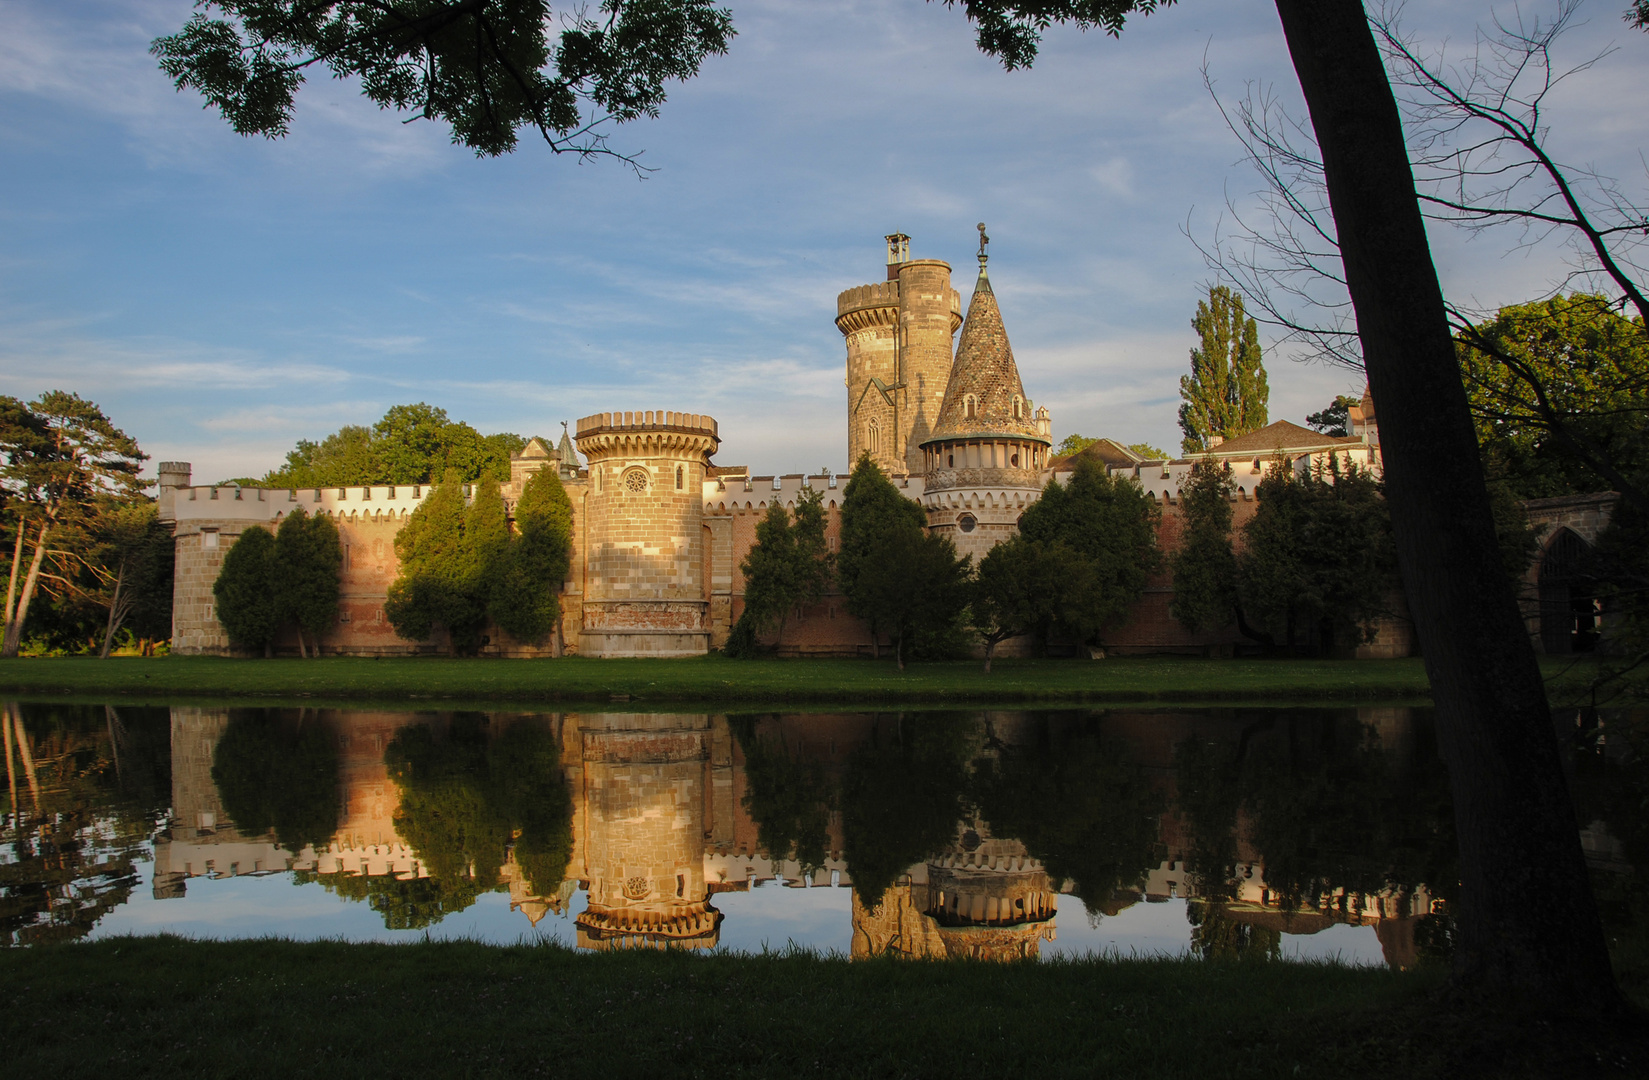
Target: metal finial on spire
984,240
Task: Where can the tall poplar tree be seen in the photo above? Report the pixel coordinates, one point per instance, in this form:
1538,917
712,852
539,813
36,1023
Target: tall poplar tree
787,567
1225,394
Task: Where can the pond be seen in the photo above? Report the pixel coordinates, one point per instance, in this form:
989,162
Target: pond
1288,833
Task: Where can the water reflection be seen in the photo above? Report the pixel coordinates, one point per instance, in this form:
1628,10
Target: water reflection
944,834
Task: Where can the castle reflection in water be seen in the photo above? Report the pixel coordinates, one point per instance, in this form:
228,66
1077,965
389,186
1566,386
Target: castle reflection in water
661,822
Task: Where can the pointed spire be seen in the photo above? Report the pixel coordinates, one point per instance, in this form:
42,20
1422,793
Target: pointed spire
569,454
985,396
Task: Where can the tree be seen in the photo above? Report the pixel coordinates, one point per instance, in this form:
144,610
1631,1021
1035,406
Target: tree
902,797
486,68
1149,452
410,444
276,774
1225,394
428,589
308,556
787,567
452,558
895,575
1081,805
1317,562
1336,419
249,603
1559,391
1018,588
133,561
1514,815
62,455
788,799
526,592
1109,525
1204,566
1073,444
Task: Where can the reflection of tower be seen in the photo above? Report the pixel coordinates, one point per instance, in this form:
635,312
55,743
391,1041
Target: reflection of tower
644,828
898,354
644,525
983,898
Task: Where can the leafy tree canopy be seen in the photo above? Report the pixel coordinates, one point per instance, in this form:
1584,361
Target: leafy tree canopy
486,68
1559,391
411,444
787,567
1318,562
276,773
1109,525
248,600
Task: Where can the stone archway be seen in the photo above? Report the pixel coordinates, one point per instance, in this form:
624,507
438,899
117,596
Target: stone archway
1568,599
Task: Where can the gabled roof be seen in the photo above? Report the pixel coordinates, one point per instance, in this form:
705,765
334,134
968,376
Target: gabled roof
1281,435
985,372
1108,452
534,450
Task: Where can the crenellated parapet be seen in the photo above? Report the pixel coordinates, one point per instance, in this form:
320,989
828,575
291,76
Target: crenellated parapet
647,433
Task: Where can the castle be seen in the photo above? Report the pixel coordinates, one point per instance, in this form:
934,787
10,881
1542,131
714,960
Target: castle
660,530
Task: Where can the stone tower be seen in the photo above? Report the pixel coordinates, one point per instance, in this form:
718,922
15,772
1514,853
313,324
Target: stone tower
982,462
644,776
645,593
898,356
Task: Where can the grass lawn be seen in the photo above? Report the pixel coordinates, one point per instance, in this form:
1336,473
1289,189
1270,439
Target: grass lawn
166,1007
714,678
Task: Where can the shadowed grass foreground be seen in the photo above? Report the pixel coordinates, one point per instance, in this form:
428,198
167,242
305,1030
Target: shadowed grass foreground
714,678
162,1006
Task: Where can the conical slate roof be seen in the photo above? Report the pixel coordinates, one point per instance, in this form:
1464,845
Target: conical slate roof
984,370
569,455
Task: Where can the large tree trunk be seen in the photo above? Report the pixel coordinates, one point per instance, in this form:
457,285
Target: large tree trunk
14,628
1528,924
16,562
117,611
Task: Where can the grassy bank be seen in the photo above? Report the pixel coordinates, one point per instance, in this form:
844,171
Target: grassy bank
158,1006
713,678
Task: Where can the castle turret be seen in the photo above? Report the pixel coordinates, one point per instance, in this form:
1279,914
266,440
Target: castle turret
644,527
983,461
898,355
644,780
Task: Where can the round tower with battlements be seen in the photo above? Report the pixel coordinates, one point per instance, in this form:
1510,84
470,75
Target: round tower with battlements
982,464
898,335
645,592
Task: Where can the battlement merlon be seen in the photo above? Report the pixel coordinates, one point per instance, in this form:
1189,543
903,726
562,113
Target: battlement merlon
648,433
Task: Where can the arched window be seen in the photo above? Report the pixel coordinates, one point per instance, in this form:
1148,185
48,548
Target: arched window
679,475
1018,408
971,406
873,438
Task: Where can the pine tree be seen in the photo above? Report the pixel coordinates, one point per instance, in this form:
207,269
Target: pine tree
1204,567
309,556
1226,392
526,590
249,599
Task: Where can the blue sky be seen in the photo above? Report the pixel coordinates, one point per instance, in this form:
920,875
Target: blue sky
223,297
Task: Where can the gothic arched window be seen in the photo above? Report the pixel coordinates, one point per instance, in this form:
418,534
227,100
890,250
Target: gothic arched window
873,438
971,406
